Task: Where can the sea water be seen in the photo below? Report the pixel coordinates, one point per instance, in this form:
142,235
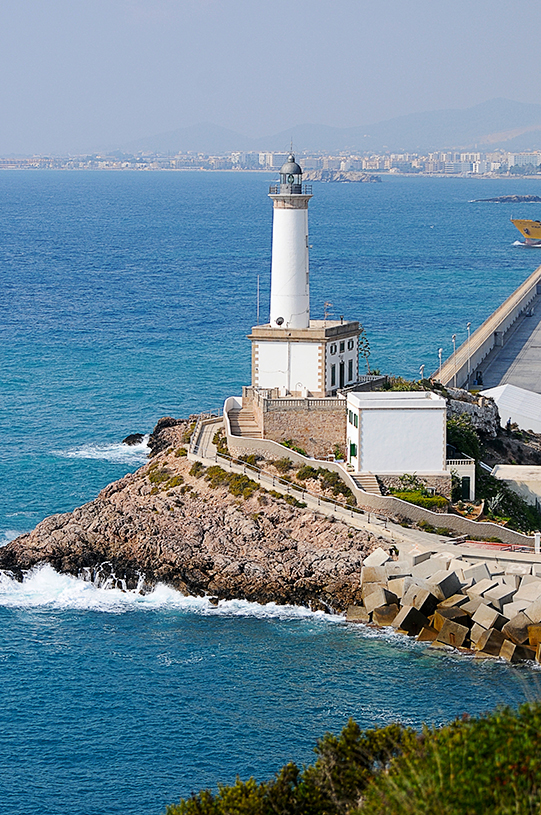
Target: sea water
126,296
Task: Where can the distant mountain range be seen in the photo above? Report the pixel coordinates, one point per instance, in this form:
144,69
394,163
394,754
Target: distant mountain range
498,123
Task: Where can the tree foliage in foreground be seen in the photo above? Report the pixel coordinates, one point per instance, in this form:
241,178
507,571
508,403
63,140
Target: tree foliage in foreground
491,764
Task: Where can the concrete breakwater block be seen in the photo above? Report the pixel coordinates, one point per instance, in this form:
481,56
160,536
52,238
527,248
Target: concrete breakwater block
444,584
440,616
530,591
452,633
385,615
427,634
500,596
489,618
516,653
420,598
410,620
450,603
373,574
377,558
378,598
516,629
357,614
490,642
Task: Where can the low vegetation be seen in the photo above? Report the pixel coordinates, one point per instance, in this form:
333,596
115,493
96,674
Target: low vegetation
238,484
292,445
413,490
490,764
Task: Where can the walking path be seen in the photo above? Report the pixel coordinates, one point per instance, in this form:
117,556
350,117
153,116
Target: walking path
204,450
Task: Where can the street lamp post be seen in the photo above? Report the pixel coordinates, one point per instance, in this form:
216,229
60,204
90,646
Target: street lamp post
454,359
422,371
469,357
440,352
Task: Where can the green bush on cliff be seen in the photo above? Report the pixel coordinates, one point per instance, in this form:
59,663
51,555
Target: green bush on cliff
420,499
490,764
238,484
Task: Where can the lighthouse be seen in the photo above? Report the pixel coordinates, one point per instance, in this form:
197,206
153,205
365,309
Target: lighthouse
290,279
294,356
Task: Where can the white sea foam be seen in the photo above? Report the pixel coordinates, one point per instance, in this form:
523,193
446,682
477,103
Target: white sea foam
116,453
8,535
529,245
43,587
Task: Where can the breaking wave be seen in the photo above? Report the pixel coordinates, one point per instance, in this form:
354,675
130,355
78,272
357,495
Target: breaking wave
8,535
43,587
116,453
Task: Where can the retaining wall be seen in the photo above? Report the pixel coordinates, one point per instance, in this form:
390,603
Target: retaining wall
392,508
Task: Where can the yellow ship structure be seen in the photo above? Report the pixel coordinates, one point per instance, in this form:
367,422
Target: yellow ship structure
530,230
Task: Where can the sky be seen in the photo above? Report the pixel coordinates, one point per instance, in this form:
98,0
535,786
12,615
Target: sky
86,75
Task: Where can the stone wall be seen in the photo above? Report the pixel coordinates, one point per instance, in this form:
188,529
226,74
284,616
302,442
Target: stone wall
441,483
316,431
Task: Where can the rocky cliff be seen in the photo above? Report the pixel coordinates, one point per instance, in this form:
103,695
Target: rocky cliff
201,531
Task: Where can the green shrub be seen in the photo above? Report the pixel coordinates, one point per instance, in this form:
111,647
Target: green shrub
253,459
501,501
237,483
181,452
176,481
291,445
159,476
305,472
220,440
283,465
419,499
197,469
186,436
462,434
488,765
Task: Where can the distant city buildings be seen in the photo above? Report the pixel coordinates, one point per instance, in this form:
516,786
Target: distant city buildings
476,163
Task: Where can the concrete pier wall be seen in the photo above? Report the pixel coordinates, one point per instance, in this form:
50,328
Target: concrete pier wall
492,333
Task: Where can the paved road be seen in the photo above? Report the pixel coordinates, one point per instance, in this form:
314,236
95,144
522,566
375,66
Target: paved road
518,361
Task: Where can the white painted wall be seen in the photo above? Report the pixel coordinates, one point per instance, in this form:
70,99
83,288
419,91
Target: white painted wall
337,358
293,365
290,291
398,432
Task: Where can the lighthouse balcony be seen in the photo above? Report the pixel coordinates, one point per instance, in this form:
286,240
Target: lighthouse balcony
290,189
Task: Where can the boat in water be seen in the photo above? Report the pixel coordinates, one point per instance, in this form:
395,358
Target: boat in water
530,230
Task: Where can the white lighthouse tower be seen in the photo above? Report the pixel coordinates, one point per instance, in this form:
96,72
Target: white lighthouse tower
292,355
290,284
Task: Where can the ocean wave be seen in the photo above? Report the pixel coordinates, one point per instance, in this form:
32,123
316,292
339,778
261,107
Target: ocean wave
116,453
8,535
43,587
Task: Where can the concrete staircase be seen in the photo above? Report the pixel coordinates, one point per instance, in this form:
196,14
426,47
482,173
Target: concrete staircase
244,424
367,482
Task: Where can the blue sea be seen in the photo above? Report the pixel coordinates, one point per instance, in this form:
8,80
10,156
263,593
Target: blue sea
126,296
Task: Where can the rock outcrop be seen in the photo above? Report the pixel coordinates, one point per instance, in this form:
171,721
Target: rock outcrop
482,410
186,526
340,175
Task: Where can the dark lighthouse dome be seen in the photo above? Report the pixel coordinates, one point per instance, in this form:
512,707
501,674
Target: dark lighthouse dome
290,167
291,176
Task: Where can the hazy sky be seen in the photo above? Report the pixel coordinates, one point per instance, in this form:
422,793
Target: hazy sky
83,74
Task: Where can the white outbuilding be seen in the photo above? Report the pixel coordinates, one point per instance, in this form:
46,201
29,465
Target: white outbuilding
391,433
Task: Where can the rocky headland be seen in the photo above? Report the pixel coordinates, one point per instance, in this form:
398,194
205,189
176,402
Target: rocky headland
340,175
201,531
